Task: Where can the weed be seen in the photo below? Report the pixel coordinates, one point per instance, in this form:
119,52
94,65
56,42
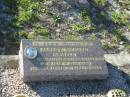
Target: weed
43,31
22,34
85,13
78,27
101,3
109,41
109,46
56,18
31,35
119,34
128,47
88,19
40,30
82,28
119,17
92,37
24,16
71,37
26,10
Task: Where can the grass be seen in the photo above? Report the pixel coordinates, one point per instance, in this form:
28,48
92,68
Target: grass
26,10
92,37
56,18
79,28
40,30
101,3
72,37
95,19
128,47
119,17
31,35
109,46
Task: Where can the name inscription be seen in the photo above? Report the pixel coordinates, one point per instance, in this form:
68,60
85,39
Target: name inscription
71,59
55,43
45,49
34,69
79,55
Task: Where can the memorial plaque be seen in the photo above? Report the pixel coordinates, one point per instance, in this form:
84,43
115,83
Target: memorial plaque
53,60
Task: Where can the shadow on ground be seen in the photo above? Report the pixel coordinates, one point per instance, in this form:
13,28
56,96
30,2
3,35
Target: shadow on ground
80,88
8,11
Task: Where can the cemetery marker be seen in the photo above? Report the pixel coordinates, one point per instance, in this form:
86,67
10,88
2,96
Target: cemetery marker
53,60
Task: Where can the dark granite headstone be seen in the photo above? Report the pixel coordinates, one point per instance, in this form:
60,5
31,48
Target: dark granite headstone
62,60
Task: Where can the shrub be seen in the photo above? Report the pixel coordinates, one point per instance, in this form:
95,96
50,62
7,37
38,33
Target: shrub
26,10
24,16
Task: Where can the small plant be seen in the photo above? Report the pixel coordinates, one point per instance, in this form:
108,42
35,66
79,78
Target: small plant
78,27
109,46
89,27
82,29
101,3
45,10
92,37
128,47
119,34
119,17
87,19
125,4
57,18
26,10
71,37
24,16
85,13
28,4
109,41
23,34
86,16
43,31
128,26
31,35
40,30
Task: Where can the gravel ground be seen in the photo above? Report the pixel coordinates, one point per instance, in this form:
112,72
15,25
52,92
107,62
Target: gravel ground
11,83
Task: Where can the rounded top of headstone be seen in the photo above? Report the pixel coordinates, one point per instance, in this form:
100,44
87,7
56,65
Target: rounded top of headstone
117,93
30,52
